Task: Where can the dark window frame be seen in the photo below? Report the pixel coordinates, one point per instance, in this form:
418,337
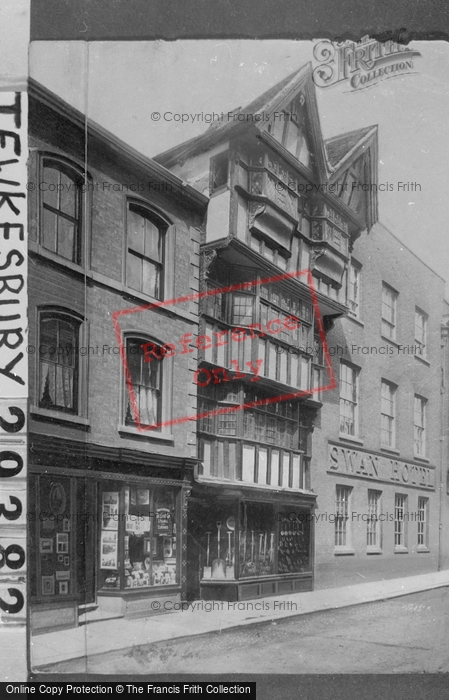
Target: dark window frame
75,173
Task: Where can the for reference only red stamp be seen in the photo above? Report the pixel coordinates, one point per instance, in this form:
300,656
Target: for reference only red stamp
253,369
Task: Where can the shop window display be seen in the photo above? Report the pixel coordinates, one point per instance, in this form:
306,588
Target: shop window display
266,539
138,537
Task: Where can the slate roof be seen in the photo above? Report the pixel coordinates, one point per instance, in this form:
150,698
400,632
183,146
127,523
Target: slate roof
338,146
220,131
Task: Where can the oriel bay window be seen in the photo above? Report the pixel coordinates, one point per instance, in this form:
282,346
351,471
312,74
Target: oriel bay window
61,209
58,361
146,383
145,251
269,441
268,332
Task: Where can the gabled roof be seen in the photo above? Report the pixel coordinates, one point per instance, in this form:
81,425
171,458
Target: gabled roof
243,118
339,146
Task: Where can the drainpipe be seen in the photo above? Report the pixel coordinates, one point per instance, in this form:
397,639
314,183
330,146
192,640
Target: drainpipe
444,428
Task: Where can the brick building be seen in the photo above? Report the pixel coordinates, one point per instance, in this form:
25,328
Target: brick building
341,482
377,442
110,233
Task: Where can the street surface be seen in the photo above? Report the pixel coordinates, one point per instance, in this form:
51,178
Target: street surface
401,635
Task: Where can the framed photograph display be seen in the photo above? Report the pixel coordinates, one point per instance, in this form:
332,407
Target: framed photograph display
46,545
108,550
62,543
48,585
110,504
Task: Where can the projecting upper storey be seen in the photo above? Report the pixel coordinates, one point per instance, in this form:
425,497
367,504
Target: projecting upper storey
277,187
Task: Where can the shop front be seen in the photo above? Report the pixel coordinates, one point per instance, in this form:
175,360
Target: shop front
243,545
107,536
139,557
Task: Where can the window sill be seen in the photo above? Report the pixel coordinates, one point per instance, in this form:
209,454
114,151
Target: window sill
400,550
390,340
374,550
128,430
392,450
350,438
422,549
53,257
60,417
344,551
424,360
420,458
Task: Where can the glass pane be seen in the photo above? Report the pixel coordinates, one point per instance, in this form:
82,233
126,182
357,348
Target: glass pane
294,541
66,239
48,338
274,479
67,343
278,126
68,195
242,310
50,187
285,470
152,241
49,230
297,481
136,229
262,466
150,282
134,272
134,355
292,136
151,373
257,539
248,464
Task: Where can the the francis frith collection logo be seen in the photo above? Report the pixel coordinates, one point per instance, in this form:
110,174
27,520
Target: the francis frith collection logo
363,63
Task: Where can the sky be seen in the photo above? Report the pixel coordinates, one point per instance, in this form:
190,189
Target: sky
120,85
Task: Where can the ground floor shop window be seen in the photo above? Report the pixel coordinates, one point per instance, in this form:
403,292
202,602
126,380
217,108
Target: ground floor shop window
52,556
254,539
138,539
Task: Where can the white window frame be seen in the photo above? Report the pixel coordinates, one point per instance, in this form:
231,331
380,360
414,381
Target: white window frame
374,525
391,416
342,527
421,331
400,522
345,400
389,320
353,296
419,426
423,523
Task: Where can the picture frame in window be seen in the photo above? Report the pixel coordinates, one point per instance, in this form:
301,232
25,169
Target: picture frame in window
62,543
63,587
48,585
46,545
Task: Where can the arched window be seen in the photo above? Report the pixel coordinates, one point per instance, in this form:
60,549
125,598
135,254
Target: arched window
61,209
145,368
145,251
58,361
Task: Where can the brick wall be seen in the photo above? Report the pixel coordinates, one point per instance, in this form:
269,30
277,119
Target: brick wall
98,289
383,258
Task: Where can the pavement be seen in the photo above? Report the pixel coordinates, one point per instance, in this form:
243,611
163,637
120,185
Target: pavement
98,635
